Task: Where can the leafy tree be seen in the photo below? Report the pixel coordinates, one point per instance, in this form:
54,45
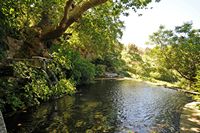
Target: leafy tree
197,84
132,56
97,30
40,22
178,49
30,28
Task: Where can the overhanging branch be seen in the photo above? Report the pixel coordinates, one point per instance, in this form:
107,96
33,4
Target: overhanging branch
70,16
66,11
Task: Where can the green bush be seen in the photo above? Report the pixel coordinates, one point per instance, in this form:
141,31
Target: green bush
100,70
197,84
163,75
167,75
32,85
83,70
10,95
63,87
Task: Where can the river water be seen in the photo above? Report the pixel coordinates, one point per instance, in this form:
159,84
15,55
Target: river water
109,106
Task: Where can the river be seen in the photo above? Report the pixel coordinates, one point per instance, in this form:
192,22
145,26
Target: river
110,106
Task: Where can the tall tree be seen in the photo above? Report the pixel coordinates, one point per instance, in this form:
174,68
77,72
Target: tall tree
178,49
46,21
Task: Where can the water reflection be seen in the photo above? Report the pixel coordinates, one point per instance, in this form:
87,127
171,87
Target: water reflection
106,106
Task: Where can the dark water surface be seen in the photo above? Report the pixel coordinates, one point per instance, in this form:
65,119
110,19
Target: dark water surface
109,106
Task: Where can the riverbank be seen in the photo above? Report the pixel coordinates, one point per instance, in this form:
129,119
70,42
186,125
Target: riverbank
157,83
87,111
190,118
106,88
172,86
154,82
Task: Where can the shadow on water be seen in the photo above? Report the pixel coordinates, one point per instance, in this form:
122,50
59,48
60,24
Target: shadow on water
107,106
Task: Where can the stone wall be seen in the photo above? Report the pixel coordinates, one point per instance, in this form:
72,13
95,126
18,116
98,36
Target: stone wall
2,124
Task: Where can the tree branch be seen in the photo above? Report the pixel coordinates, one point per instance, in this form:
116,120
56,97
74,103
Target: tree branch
184,76
70,16
66,11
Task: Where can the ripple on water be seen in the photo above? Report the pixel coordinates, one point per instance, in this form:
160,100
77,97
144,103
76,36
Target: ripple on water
107,106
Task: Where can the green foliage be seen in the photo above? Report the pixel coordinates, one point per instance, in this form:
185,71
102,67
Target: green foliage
96,36
15,102
163,75
39,88
10,95
83,70
113,62
178,50
100,70
17,16
97,30
63,87
134,61
197,84
144,69
33,85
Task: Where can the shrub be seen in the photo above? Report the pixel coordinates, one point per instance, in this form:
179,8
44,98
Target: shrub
10,95
100,70
83,70
197,84
31,85
63,87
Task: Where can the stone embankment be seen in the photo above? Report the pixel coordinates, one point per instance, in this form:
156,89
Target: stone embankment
2,124
111,75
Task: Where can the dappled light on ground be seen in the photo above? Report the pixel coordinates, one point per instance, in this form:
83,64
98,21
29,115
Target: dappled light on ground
190,118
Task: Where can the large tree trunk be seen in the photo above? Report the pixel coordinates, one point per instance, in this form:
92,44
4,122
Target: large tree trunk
70,16
38,39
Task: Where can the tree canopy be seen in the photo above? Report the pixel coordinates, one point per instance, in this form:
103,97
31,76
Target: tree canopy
178,49
50,46
38,23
